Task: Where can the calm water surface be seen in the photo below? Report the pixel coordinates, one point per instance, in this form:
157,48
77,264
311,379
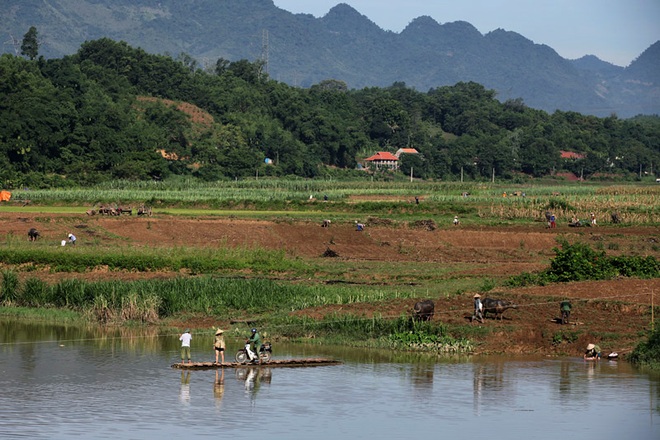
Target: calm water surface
61,383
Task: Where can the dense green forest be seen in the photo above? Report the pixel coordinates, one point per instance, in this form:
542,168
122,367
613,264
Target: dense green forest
92,117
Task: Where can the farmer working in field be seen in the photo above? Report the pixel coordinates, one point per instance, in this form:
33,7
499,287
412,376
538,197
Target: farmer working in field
478,309
565,309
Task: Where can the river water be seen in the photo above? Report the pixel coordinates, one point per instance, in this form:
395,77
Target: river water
60,382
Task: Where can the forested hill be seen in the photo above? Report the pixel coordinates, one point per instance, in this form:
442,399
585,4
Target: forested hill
344,45
113,111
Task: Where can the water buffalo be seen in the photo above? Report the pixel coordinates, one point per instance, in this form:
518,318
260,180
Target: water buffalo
424,310
33,234
496,306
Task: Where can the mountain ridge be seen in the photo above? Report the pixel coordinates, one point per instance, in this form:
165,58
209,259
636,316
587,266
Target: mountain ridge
345,45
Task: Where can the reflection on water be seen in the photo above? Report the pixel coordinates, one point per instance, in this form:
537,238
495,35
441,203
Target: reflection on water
57,381
422,377
252,378
219,387
184,395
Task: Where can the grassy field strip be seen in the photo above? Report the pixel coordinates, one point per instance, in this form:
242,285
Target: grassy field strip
175,211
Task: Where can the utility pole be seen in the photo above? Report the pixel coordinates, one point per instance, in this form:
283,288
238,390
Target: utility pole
15,43
264,49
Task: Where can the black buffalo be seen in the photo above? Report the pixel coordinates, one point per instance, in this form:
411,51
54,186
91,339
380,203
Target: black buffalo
424,310
496,306
33,234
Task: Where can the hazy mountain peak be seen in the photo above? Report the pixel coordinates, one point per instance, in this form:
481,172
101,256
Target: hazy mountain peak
462,26
344,16
423,22
646,67
344,10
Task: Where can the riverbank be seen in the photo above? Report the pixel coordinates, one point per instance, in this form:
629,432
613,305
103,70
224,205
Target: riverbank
382,270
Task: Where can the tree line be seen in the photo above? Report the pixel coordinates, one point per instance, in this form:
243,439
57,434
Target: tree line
111,111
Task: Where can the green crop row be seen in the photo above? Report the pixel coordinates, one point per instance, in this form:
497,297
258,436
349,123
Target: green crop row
634,203
194,261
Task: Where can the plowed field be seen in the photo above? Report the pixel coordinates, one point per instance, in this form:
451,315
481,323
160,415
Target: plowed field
613,313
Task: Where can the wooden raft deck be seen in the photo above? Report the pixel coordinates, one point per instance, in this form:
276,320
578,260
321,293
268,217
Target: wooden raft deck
275,363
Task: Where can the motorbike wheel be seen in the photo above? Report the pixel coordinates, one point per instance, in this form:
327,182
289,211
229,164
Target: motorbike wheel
241,357
265,356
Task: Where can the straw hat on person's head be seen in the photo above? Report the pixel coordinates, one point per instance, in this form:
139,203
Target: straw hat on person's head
219,331
476,295
590,347
187,330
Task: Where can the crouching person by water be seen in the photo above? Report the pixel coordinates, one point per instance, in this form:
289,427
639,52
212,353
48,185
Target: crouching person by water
592,353
185,339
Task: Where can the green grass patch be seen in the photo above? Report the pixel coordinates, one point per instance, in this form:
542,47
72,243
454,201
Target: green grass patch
399,333
196,261
41,314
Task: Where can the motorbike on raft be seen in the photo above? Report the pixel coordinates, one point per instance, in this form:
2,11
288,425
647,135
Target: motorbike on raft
265,353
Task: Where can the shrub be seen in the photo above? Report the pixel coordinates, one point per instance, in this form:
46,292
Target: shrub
578,262
9,292
36,293
648,353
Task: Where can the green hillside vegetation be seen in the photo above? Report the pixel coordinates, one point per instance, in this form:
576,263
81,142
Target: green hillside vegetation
112,111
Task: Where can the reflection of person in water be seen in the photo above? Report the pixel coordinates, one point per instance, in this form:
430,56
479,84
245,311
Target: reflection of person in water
253,376
219,386
477,387
252,380
565,379
265,375
184,395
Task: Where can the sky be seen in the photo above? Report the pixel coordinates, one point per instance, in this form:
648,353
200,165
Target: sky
616,31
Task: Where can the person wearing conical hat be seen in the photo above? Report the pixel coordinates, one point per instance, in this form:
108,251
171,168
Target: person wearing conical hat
592,353
478,309
219,345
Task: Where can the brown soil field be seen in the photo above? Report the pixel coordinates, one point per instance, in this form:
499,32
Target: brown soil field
614,314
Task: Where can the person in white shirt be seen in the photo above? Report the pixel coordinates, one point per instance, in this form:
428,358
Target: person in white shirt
185,339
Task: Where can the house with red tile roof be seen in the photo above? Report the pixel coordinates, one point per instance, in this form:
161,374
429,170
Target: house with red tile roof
571,155
401,151
382,160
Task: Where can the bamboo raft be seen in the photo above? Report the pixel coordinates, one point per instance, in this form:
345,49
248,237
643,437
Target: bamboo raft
274,363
